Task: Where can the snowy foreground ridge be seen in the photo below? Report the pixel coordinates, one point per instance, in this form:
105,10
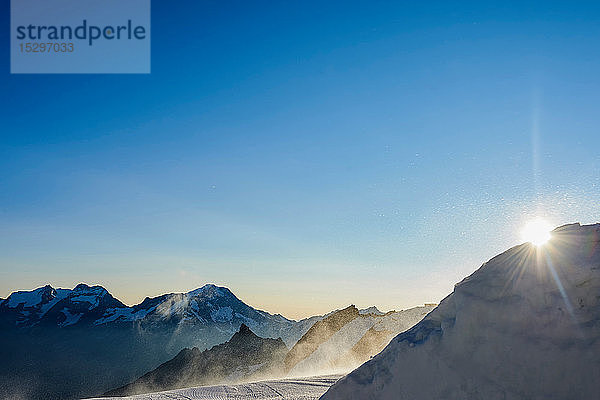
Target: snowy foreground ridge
284,389
526,325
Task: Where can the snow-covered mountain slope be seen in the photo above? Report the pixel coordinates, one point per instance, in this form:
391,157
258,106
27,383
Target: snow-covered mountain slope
526,325
208,305
244,357
308,388
347,338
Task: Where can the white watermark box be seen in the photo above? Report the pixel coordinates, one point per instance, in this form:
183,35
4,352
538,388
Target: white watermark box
80,36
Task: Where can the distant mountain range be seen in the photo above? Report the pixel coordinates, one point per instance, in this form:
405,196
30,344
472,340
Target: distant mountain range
89,306
69,343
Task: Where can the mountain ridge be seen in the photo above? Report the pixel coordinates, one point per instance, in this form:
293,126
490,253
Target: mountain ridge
94,305
346,338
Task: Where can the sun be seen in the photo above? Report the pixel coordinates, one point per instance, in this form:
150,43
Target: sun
536,231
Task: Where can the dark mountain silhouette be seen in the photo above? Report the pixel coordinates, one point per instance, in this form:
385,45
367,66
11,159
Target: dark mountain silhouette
244,356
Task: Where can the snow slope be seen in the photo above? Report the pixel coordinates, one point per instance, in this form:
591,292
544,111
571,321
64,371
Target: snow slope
526,325
285,389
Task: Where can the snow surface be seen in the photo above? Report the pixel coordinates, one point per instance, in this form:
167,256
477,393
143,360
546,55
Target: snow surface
93,300
123,314
309,388
222,314
59,294
526,325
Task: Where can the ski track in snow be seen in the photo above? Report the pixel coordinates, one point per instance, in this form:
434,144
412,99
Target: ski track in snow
309,388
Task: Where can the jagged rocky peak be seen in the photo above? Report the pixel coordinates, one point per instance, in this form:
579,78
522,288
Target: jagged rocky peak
244,330
244,356
245,335
371,310
48,293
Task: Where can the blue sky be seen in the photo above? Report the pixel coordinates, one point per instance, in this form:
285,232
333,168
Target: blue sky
308,155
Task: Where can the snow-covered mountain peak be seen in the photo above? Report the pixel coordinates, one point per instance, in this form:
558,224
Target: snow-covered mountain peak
41,298
47,294
83,288
525,325
209,291
29,298
92,295
64,307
